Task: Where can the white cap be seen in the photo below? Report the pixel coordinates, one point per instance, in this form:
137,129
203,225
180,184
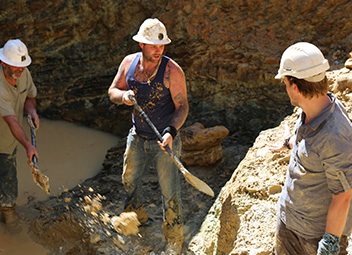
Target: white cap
304,61
152,31
15,53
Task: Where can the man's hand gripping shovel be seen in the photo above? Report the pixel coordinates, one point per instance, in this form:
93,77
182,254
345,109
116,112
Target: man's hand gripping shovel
38,177
190,178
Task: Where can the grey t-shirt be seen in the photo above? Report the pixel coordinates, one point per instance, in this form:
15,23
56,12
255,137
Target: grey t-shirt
320,166
12,101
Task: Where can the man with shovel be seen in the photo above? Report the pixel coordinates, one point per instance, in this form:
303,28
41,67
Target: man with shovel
158,85
17,95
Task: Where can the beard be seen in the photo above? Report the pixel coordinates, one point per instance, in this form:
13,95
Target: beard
153,57
16,75
13,74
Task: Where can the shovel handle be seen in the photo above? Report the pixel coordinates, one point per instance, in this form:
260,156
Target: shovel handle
150,123
194,181
33,136
156,131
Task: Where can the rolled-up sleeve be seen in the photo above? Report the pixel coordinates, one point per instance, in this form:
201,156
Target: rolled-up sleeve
337,162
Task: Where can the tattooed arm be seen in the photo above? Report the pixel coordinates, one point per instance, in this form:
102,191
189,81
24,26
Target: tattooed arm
175,78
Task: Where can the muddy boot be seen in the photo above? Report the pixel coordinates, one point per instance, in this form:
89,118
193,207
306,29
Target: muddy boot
174,238
9,214
11,219
173,249
142,214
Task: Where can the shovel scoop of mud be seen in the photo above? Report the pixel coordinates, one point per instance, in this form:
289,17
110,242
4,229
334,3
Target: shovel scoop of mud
40,179
126,224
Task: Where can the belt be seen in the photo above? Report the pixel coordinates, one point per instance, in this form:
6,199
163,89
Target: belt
144,137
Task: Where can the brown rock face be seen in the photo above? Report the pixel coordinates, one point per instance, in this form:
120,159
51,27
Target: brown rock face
229,51
202,146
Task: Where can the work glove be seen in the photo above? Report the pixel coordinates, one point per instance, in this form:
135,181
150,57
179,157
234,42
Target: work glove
329,245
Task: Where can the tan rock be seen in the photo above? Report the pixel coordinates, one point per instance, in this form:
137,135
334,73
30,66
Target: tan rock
348,63
202,146
274,189
94,238
126,224
197,137
204,157
92,205
67,199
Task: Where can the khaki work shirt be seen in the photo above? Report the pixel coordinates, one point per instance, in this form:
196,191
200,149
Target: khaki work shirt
12,101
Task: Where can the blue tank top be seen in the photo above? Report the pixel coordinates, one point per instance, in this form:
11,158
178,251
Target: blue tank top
155,100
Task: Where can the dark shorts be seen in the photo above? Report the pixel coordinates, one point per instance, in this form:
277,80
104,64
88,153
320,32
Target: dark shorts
289,243
8,180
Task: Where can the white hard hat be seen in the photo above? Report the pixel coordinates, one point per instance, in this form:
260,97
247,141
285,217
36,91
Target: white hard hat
152,31
15,53
304,61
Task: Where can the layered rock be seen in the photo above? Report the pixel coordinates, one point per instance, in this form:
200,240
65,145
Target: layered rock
229,51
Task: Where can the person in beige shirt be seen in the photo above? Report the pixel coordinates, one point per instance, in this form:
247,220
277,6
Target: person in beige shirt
17,96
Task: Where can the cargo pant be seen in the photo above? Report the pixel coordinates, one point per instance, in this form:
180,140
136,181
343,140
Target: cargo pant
139,155
8,180
289,243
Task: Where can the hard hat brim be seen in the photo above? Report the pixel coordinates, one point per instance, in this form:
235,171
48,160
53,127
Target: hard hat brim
4,59
279,76
315,78
141,39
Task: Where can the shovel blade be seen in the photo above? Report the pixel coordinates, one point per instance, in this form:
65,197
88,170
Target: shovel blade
190,178
198,183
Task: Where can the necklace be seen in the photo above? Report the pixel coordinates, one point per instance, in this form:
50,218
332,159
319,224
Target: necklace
154,73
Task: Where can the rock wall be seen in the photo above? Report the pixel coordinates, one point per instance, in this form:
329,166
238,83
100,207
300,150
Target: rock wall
229,50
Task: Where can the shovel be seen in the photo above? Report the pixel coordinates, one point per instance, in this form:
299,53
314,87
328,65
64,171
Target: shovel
190,178
38,177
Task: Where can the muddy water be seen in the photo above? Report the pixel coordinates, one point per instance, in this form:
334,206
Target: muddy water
68,154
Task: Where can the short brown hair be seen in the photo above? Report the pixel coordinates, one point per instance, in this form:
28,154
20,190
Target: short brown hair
310,89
